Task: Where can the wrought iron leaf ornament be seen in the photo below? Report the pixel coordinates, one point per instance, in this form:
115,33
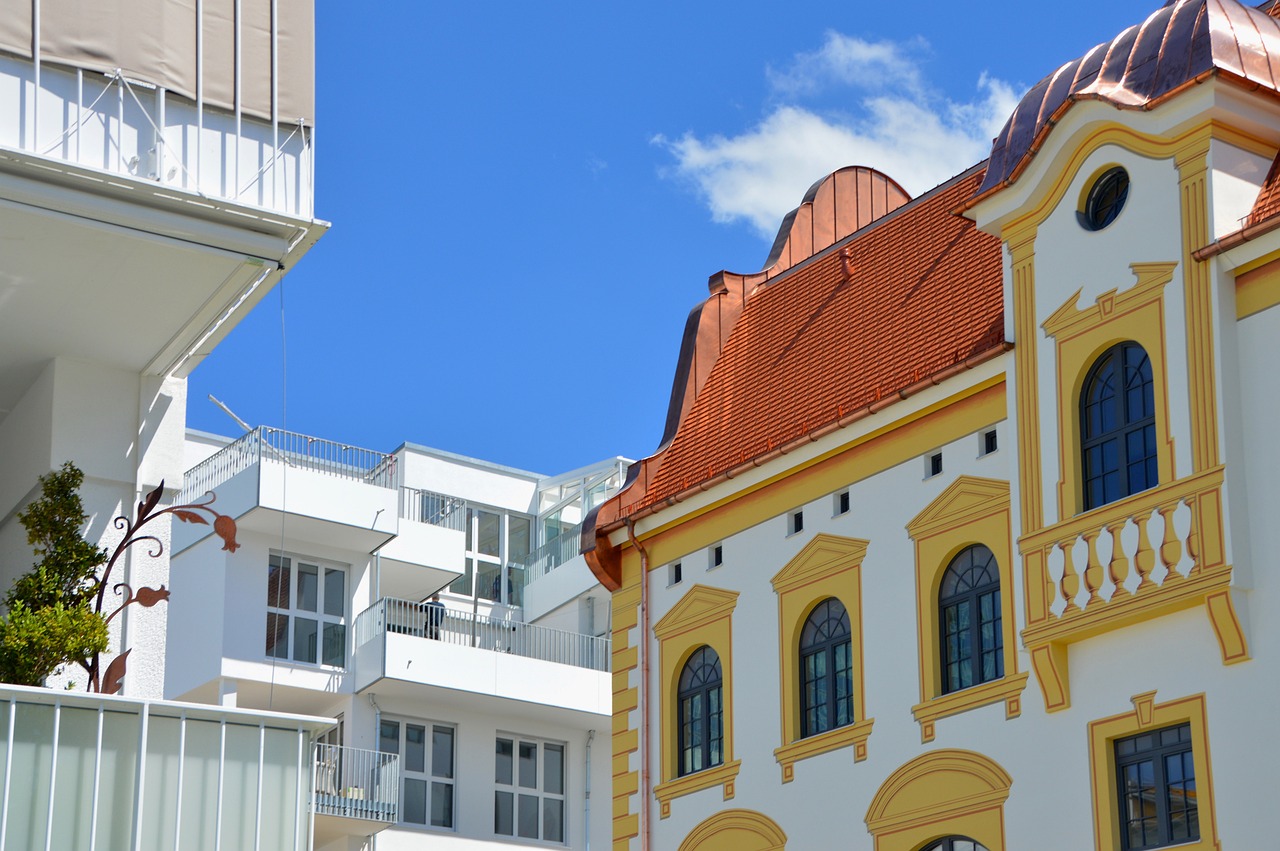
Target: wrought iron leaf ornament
199,512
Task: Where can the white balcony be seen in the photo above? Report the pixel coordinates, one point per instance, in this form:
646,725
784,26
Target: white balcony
334,494
357,792
406,642
86,771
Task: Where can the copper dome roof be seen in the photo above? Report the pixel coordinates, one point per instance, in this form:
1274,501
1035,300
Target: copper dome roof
1183,42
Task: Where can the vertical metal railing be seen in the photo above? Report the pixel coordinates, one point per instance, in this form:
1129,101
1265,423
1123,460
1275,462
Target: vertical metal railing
295,450
436,509
422,620
357,783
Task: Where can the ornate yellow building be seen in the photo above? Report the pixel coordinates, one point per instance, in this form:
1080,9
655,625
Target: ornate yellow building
960,536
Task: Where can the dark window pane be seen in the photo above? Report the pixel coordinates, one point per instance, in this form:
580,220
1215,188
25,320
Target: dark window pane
335,592
504,813
415,801
553,819
553,769
308,587
527,817
442,804
529,765
415,748
389,737
305,633
442,751
278,582
335,644
502,770
277,635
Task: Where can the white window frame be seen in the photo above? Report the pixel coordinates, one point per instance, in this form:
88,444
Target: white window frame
293,611
540,793
428,775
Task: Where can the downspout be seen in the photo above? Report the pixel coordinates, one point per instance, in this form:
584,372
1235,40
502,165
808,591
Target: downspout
646,745
586,807
377,741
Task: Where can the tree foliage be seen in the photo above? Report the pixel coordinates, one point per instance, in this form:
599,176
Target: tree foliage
51,619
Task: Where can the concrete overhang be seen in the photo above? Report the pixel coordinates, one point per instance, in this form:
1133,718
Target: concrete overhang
126,272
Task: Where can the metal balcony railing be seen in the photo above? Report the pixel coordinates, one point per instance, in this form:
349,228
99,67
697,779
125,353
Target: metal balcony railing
356,783
293,450
469,630
448,512
553,553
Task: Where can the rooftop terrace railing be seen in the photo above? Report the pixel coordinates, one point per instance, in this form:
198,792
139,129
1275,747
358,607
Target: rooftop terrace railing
357,783
449,512
293,450
422,620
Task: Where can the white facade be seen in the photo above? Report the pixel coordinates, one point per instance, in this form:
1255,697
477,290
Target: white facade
320,609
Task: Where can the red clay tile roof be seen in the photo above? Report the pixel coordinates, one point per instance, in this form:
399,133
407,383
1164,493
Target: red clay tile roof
814,346
1268,201
1179,44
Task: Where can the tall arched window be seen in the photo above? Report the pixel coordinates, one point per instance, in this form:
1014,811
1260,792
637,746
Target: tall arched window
826,669
1118,426
969,620
701,728
954,843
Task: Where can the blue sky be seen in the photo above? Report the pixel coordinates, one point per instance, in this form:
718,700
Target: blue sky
527,198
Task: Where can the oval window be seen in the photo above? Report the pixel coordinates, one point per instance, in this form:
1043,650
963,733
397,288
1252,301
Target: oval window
1106,199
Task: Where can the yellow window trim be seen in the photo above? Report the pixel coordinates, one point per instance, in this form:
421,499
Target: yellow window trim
970,511
1081,336
851,735
703,616
939,793
828,566
1007,689
721,775
1147,714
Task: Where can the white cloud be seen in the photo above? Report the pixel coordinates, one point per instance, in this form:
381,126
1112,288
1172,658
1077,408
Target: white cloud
904,127
850,61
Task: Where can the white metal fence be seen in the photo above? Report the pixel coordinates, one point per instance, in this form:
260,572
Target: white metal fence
357,783
553,553
294,450
464,628
449,512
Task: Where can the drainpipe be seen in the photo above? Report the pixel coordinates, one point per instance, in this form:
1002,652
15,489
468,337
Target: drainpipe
586,807
377,741
646,745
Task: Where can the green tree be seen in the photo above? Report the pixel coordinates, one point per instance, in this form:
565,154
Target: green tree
52,618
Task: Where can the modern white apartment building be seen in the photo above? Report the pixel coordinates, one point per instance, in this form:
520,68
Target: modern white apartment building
473,725
155,183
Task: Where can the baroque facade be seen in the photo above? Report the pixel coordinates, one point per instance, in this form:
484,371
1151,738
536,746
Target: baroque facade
965,501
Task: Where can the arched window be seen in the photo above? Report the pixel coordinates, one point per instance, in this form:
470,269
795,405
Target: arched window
954,843
969,620
701,712
1118,426
826,669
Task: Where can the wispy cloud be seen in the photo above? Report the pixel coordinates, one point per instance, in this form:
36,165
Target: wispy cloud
902,125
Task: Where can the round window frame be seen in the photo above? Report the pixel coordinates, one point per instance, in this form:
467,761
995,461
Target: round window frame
1088,215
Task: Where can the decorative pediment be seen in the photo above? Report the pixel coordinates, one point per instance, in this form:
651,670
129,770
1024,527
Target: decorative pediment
700,606
965,499
1149,287
821,557
937,784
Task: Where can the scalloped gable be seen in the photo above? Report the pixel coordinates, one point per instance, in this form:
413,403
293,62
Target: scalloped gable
700,606
817,558
963,499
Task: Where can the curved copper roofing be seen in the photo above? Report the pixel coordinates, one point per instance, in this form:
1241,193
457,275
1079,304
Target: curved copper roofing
1181,43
